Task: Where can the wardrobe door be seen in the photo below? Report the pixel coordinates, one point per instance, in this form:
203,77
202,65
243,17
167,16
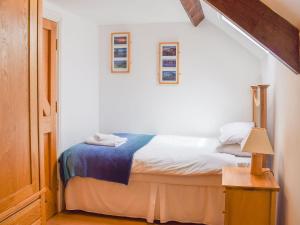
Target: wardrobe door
19,170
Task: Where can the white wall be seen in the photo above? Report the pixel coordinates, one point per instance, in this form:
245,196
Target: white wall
285,127
78,76
214,86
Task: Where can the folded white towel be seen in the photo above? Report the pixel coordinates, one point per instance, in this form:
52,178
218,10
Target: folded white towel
100,137
105,143
106,140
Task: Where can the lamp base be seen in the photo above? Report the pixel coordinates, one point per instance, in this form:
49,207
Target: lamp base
256,164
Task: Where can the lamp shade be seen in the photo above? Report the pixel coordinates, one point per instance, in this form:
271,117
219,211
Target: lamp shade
257,142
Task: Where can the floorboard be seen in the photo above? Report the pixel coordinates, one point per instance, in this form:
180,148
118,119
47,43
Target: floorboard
80,218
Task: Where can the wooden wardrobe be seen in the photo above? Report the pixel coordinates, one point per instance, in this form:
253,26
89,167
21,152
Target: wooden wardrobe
21,191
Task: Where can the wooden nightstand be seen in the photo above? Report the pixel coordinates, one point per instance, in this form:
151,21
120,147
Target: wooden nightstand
249,200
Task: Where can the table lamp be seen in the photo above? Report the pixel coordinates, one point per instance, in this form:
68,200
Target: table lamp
258,144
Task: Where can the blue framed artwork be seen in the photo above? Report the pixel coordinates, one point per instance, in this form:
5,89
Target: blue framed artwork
120,52
168,63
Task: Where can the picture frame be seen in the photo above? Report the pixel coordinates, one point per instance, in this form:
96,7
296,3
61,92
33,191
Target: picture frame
168,66
120,52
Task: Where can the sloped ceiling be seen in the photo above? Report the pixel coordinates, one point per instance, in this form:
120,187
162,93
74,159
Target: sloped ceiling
288,9
269,29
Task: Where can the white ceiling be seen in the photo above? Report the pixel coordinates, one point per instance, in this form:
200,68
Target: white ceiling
108,12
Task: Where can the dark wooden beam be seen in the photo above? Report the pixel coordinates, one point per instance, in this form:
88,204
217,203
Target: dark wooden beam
268,28
194,10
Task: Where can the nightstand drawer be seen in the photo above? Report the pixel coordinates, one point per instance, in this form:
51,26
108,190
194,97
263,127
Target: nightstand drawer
247,207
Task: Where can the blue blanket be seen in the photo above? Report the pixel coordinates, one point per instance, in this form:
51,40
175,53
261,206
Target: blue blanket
102,162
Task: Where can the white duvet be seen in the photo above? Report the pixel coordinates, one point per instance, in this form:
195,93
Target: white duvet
179,155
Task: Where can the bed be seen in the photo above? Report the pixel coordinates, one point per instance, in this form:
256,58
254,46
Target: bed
172,178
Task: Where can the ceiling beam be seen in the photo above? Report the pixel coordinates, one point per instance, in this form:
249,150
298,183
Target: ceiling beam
194,10
268,28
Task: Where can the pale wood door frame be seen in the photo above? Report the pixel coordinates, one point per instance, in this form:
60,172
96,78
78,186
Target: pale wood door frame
48,115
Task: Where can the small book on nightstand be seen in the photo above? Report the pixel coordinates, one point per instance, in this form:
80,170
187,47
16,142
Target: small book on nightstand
249,199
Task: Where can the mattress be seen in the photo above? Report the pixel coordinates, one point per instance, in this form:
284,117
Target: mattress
180,155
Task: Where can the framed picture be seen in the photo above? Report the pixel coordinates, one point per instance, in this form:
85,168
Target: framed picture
120,52
168,63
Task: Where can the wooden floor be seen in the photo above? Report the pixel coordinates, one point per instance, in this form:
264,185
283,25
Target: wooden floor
68,218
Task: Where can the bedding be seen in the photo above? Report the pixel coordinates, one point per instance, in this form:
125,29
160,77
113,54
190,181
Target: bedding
180,155
102,162
146,154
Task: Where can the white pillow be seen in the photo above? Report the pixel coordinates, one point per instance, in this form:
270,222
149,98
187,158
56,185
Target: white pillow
234,133
234,149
